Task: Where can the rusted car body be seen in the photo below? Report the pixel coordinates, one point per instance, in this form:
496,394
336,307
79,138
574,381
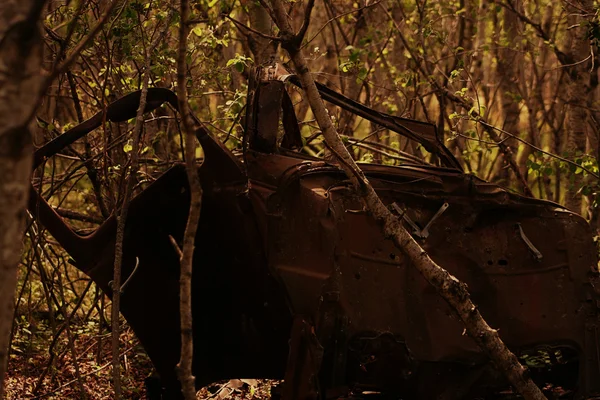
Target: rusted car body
293,279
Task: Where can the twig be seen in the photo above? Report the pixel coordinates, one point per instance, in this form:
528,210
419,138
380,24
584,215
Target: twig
137,264
562,57
176,247
540,149
63,212
337,17
371,147
249,29
307,11
82,44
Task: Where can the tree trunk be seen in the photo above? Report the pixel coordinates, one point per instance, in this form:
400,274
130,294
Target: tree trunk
480,70
577,94
184,367
509,62
20,81
535,94
262,49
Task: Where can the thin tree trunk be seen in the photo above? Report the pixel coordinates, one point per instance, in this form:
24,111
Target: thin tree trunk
353,84
577,93
509,63
534,99
122,215
262,49
450,288
20,82
184,367
480,68
120,235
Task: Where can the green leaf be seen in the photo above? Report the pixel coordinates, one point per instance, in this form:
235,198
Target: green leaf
362,74
455,73
239,62
198,31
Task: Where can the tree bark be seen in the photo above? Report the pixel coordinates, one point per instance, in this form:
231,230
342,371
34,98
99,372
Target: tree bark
20,82
450,288
262,49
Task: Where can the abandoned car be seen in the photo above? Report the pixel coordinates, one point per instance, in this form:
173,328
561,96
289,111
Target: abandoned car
293,279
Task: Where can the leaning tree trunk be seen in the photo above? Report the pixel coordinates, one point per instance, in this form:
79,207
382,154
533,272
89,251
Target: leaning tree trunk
20,80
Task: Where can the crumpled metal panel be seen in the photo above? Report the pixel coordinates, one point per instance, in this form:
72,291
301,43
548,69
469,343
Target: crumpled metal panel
320,239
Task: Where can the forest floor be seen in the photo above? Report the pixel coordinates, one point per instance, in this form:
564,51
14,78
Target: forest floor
36,372
45,364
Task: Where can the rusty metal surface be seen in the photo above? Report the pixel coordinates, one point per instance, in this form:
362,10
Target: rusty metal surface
292,277
319,235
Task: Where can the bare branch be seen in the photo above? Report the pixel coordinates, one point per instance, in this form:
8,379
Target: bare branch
249,29
306,22
82,44
176,247
562,57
